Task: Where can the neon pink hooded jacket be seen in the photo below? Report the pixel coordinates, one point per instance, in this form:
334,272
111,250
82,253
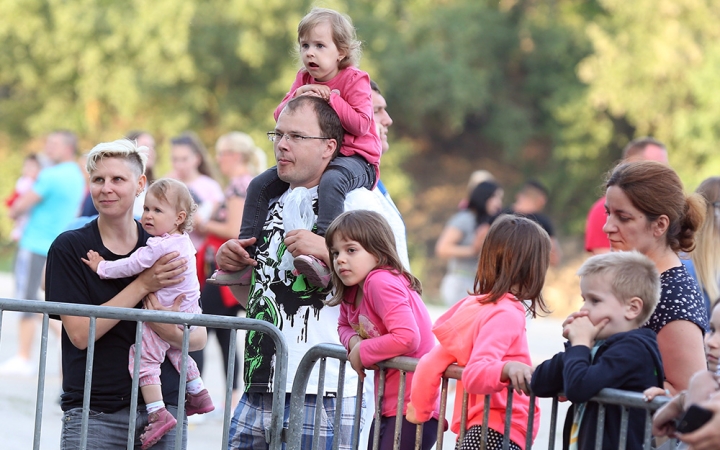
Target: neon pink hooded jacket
482,338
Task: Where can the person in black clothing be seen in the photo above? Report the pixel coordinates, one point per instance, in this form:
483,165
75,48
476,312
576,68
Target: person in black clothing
116,178
606,349
530,202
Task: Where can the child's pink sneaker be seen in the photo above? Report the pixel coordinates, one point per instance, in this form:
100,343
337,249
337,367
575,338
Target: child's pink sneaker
316,272
239,278
199,403
159,423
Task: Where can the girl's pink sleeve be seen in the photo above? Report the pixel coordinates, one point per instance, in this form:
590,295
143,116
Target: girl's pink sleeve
387,297
140,260
496,337
291,93
425,388
354,106
345,330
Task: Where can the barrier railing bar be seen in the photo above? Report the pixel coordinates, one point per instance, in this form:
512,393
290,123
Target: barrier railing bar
486,421
135,385
648,430
531,423
355,438
463,416
89,360
41,382
378,408
508,418
399,411
339,403
553,423
319,400
179,428
622,444
443,411
229,381
600,426
418,436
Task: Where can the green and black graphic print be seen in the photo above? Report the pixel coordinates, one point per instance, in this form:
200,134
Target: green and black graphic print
278,297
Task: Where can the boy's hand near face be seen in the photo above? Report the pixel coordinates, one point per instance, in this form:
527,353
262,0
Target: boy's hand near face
581,331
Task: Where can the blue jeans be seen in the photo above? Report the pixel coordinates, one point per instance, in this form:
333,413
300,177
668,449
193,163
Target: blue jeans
110,430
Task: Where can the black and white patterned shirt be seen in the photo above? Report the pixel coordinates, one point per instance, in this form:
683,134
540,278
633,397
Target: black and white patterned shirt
680,299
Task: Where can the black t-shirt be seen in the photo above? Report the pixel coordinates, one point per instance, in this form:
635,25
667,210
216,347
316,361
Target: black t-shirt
69,280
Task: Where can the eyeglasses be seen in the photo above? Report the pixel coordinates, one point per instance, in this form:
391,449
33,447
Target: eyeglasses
291,137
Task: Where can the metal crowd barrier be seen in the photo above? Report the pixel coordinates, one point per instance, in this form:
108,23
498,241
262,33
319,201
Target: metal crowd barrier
626,400
320,353
140,316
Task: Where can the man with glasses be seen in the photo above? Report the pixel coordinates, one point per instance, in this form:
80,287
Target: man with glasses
306,138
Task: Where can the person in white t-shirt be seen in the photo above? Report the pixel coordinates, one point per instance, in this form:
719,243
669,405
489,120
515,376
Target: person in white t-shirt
278,296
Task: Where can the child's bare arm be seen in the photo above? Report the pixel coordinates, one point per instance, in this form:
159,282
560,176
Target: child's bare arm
93,260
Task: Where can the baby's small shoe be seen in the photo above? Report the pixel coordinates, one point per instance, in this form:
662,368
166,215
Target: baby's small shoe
316,272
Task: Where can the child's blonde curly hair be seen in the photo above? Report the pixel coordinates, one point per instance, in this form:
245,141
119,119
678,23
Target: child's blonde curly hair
343,33
175,193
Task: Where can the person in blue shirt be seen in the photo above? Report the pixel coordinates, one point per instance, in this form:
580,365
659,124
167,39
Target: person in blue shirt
53,202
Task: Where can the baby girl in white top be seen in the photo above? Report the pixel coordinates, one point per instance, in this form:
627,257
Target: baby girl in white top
167,215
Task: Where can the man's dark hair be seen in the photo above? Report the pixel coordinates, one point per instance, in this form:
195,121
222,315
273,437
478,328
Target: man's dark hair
375,87
638,146
537,186
329,121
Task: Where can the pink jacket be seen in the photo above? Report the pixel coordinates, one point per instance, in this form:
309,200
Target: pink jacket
482,338
144,257
353,105
393,321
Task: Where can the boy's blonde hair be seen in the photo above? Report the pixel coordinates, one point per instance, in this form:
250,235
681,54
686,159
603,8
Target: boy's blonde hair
343,33
177,194
630,274
123,149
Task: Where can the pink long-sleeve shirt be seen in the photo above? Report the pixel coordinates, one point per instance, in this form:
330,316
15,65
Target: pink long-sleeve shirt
482,338
144,257
393,321
353,106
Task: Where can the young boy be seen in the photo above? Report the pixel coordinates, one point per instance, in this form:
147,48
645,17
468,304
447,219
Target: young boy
606,349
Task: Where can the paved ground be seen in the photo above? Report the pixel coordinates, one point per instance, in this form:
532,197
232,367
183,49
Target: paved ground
18,395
